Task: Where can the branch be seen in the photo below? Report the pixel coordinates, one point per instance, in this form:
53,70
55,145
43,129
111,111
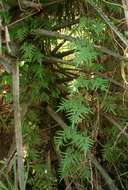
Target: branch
51,34
58,47
66,24
108,21
114,122
56,117
103,173
12,151
65,53
52,3
57,60
17,124
110,52
29,4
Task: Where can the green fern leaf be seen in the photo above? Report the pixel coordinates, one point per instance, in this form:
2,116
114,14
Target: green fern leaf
75,108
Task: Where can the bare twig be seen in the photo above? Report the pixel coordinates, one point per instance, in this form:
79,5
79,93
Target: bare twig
53,3
57,60
22,19
58,47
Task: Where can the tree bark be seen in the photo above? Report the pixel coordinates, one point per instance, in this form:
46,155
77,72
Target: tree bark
17,124
125,5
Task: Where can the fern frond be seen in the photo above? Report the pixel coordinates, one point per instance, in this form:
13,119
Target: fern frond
73,146
68,164
93,84
70,136
75,108
111,153
21,33
109,106
85,54
94,29
31,53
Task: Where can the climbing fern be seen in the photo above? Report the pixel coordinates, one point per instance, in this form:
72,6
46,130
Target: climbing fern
75,146
75,108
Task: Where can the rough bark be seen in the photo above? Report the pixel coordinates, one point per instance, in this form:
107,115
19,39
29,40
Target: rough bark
17,124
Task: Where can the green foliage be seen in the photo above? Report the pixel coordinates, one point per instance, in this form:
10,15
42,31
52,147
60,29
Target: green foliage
93,29
31,53
21,33
5,16
73,147
112,150
43,179
92,84
85,53
109,106
75,108
111,153
73,137
41,175
69,163
8,183
89,96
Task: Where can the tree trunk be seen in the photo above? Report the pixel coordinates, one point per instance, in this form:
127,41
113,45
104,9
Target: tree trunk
17,123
